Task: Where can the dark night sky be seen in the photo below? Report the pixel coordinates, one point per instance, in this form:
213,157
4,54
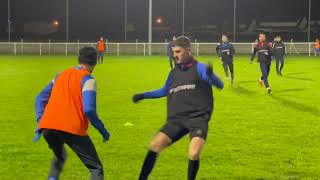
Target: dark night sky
107,16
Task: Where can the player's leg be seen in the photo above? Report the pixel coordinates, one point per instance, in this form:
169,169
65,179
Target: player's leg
198,134
268,66
159,142
195,148
56,145
282,64
168,134
230,64
225,68
277,58
264,71
85,150
102,56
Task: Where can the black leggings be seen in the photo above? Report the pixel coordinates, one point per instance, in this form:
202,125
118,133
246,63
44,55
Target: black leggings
81,145
228,65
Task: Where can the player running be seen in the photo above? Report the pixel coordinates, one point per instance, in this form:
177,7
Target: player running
279,50
264,50
225,50
101,47
63,110
188,89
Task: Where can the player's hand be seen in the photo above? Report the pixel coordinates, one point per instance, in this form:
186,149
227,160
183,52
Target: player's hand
209,70
37,136
106,136
137,97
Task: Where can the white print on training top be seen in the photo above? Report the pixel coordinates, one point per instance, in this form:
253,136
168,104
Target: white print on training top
263,50
279,47
183,87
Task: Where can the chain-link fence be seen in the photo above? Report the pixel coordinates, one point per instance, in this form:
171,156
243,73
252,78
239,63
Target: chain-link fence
17,48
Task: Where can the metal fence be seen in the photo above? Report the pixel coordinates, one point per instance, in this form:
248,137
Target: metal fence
18,48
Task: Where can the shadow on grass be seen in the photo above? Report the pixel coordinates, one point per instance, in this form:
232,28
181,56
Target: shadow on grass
295,73
296,105
242,90
247,82
290,90
298,78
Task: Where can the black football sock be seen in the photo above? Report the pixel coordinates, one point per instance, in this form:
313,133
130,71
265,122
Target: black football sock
193,169
148,165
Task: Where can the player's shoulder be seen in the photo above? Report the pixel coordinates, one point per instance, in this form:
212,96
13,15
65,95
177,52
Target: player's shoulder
89,83
201,67
87,78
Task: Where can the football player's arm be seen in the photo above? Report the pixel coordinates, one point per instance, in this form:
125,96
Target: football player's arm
153,94
89,96
253,54
206,74
232,50
42,99
218,51
271,50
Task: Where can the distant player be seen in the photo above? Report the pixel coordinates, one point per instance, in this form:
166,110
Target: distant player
188,89
225,50
272,44
317,47
279,50
101,47
63,110
264,50
170,53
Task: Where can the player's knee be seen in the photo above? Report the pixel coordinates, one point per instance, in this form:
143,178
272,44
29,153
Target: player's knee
155,146
194,155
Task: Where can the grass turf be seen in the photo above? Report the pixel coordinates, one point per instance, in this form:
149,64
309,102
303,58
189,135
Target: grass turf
252,135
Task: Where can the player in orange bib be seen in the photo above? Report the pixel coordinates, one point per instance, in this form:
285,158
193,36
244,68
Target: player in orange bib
101,47
317,47
63,110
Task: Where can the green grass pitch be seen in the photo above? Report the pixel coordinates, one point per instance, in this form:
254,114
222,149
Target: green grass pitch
252,135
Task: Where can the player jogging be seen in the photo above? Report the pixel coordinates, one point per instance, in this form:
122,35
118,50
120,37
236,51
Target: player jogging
263,48
63,110
188,89
279,50
225,50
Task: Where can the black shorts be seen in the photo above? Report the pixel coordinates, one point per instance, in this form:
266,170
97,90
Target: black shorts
179,127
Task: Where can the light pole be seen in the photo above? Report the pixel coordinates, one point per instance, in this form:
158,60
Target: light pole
234,20
67,20
125,18
309,21
150,26
9,22
183,16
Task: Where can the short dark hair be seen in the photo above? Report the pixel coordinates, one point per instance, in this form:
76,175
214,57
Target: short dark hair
182,41
88,56
225,34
